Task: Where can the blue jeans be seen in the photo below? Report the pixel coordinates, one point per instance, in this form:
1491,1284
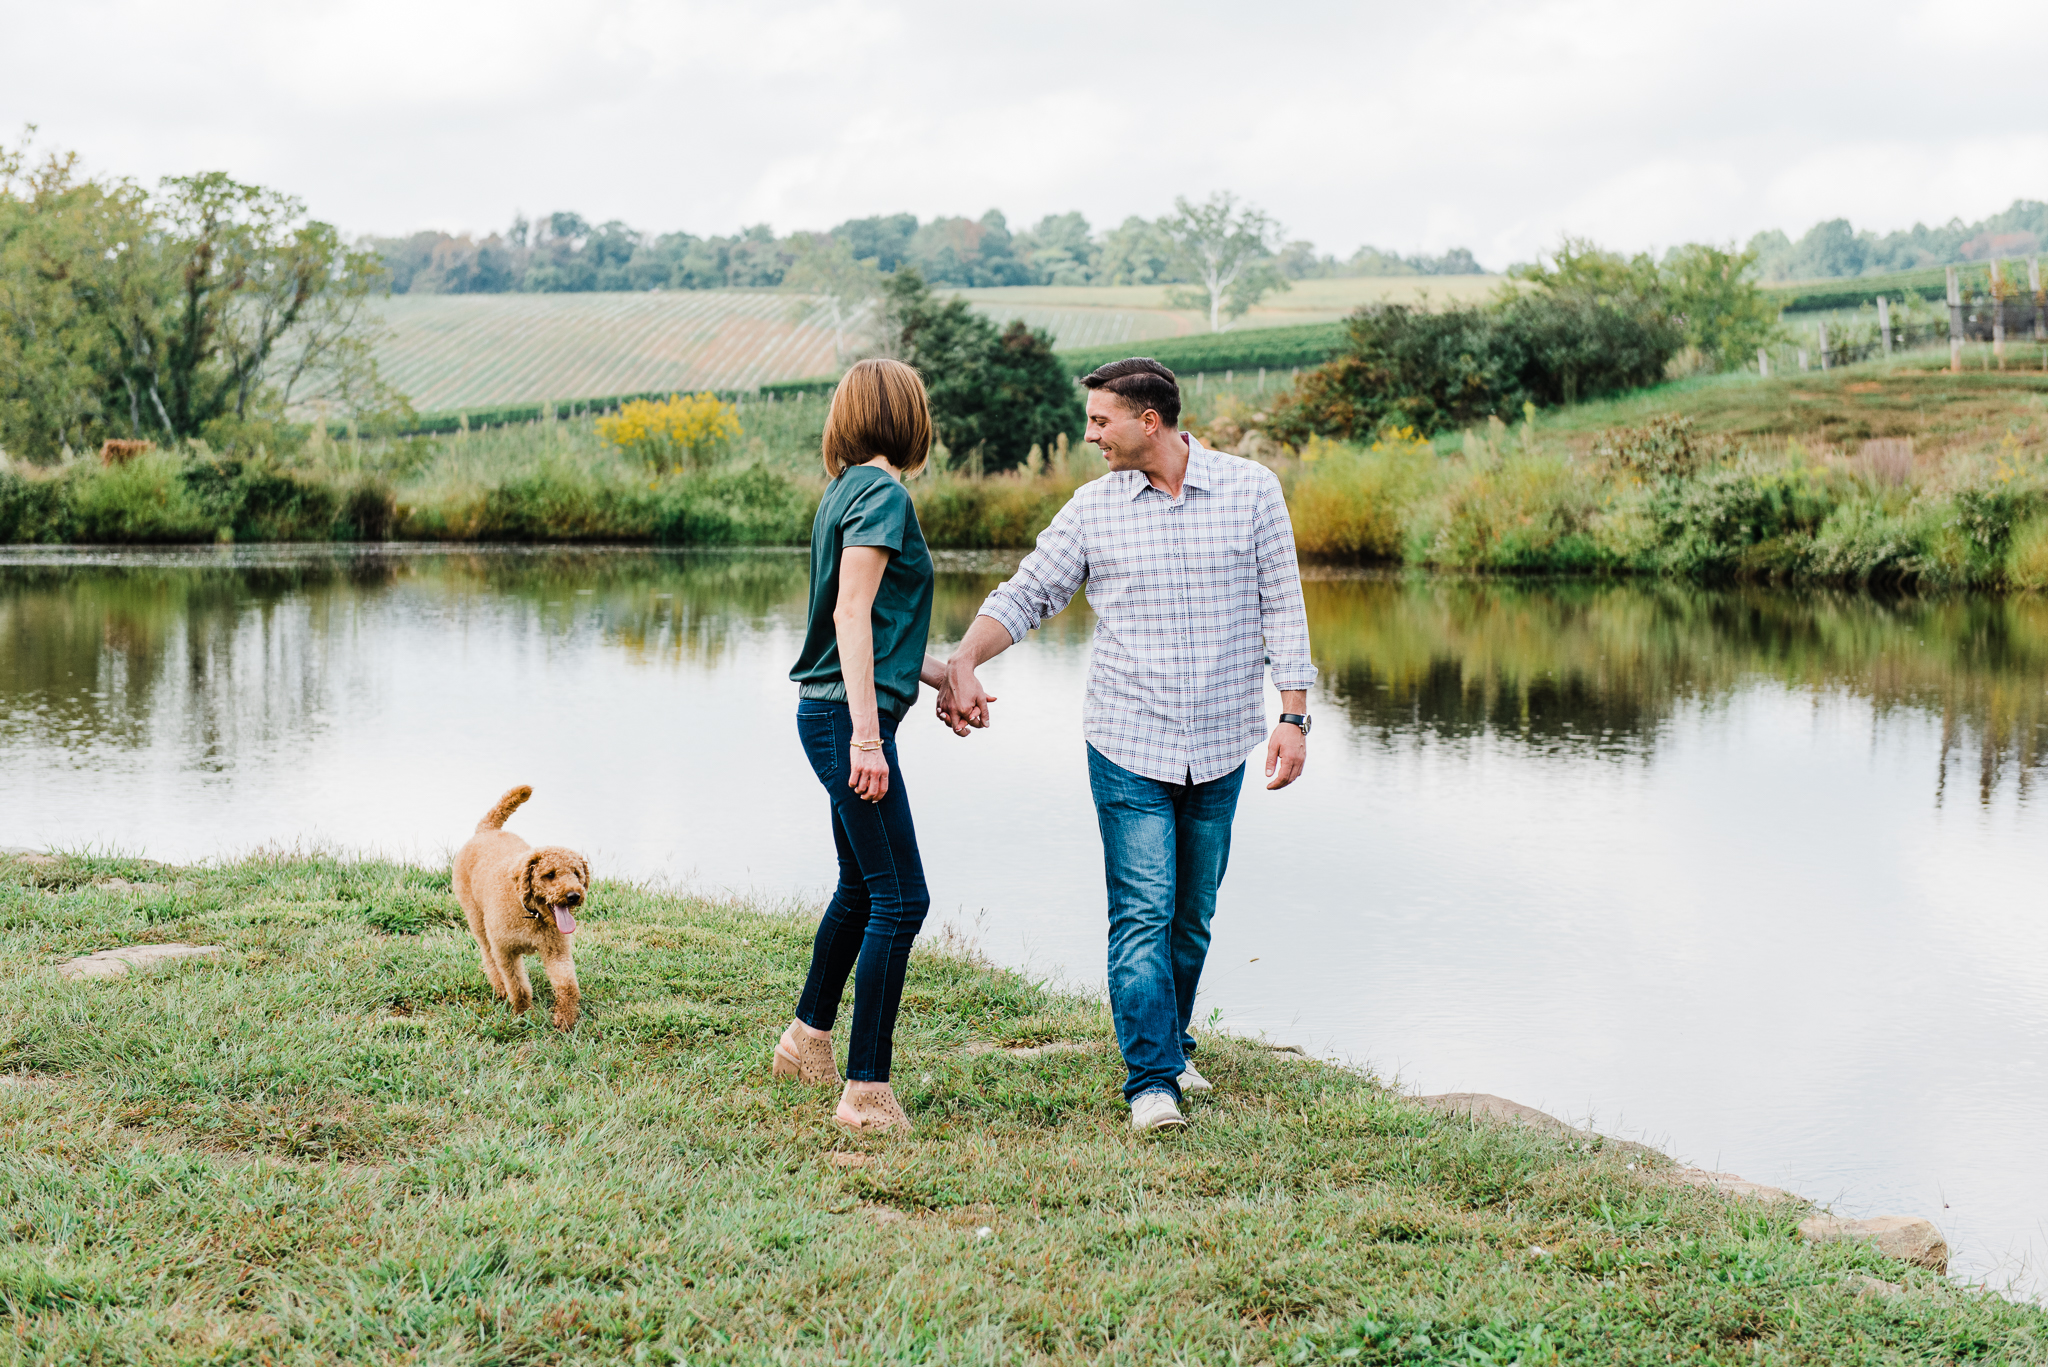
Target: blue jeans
879,905
1164,847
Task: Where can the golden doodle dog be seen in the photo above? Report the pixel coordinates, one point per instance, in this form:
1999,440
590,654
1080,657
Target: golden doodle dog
522,901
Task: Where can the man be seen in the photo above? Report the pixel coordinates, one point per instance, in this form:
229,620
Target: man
1189,560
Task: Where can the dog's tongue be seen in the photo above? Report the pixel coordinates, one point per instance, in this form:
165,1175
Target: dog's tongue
565,920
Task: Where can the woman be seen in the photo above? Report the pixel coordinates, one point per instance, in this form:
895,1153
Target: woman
863,658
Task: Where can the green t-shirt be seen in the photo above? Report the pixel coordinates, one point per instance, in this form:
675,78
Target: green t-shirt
865,507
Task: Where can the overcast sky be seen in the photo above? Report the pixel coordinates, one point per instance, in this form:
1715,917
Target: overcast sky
1411,127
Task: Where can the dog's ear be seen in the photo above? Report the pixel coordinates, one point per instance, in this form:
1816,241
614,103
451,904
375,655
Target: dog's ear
584,865
526,892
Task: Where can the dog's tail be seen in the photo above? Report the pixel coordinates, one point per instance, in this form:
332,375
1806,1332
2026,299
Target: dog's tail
496,817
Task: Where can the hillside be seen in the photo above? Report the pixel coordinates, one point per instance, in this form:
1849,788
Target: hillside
466,352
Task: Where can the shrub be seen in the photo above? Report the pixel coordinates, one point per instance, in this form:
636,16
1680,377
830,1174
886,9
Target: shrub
368,512
2026,564
1434,371
1351,505
143,501
1663,448
683,430
753,507
33,509
1865,543
559,502
994,513
254,500
1733,522
1531,513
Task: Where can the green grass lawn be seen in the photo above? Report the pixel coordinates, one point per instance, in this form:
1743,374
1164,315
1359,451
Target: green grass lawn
332,1145
1912,396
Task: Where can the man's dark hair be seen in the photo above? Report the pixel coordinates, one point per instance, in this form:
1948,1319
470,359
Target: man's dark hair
1142,383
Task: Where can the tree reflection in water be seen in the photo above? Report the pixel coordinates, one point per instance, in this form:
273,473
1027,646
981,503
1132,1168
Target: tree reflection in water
106,648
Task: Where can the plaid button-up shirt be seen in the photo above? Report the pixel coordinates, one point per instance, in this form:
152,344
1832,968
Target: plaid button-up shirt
1194,596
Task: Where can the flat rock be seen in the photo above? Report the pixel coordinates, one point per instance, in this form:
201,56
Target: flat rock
118,963
1728,1184
1485,1106
1908,1238
123,885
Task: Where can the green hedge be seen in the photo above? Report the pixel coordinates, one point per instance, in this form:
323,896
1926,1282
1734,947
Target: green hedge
426,424
1930,284
1254,349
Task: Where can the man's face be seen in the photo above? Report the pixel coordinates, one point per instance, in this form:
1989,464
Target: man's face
1117,430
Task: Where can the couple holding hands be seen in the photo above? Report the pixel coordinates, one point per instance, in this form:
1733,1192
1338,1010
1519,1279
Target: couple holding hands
1188,556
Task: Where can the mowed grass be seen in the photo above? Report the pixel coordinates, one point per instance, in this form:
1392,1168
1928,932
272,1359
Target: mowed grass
1913,396
331,1145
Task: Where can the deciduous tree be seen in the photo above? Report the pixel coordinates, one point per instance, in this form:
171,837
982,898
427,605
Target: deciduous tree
1227,249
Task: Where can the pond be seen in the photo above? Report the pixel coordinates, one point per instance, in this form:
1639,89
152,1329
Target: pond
1756,876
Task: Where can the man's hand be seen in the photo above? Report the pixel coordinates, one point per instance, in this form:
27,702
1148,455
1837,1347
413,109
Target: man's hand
1286,755
949,714
970,701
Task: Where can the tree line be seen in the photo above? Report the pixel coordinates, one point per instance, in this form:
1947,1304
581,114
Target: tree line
564,251
202,309
1835,249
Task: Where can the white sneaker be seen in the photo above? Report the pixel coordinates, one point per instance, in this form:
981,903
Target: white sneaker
1156,1110
1192,1081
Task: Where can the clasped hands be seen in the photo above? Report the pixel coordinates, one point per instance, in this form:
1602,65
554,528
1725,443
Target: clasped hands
963,703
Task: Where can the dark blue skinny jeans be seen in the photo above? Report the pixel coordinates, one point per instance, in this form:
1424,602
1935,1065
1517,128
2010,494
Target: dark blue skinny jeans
1164,847
879,905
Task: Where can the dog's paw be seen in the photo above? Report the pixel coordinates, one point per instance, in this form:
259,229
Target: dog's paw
563,1022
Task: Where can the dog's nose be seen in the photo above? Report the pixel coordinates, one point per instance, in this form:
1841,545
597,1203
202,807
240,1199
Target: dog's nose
572,897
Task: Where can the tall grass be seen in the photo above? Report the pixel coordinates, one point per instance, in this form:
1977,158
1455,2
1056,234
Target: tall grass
1780,486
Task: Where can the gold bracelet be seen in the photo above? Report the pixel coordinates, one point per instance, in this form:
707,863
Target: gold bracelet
867,745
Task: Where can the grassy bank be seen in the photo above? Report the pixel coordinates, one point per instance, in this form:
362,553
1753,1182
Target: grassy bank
1723,478
1712,478
331,1145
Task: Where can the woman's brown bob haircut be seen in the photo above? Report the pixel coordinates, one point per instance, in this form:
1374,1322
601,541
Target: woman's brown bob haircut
879,409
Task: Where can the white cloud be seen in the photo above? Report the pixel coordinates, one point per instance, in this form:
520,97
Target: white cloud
1492,125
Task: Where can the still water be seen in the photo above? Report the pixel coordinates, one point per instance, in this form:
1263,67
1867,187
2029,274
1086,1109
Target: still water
1758,877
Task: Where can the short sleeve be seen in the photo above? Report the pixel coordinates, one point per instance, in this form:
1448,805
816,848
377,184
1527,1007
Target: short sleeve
878,515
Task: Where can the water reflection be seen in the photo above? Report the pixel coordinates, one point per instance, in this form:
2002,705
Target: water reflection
93,647
1601,666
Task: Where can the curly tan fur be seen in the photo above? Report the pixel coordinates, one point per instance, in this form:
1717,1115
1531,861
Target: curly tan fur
508,891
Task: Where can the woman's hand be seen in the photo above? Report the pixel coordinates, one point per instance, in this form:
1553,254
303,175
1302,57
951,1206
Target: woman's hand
870,776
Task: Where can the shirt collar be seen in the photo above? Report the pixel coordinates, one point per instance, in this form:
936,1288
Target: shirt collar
1200,474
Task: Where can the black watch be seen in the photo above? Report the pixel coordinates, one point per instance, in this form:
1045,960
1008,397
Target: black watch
1298,719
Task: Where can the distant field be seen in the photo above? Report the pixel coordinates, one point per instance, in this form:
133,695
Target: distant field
450,352
1104,315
